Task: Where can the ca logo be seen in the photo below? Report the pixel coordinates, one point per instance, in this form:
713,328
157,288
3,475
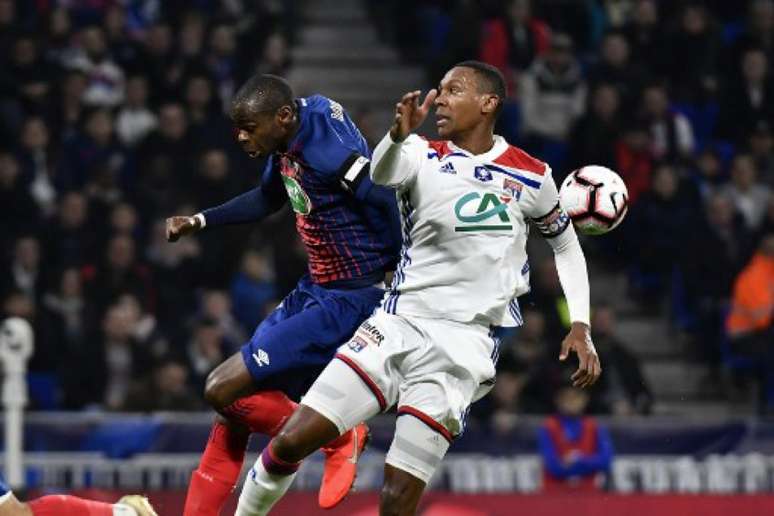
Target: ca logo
490,213
298,197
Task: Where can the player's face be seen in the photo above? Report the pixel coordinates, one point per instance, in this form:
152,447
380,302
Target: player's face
260,134
460,106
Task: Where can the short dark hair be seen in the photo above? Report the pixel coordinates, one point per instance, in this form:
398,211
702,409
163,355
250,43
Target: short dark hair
262,93
491,80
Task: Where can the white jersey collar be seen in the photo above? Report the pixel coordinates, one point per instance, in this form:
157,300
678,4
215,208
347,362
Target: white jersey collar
499,147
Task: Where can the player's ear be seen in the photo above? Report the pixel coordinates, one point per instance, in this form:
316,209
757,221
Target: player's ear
489,104
284,115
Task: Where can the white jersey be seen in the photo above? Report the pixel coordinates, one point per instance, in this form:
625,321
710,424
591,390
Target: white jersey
465,224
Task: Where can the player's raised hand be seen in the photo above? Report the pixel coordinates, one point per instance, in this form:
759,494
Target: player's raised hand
409,113
180,226
589,368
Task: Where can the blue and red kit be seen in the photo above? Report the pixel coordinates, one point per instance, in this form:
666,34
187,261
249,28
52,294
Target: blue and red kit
350,229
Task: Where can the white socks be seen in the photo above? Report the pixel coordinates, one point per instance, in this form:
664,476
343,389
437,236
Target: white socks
262,490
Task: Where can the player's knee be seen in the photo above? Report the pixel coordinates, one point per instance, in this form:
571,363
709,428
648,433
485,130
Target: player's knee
216,391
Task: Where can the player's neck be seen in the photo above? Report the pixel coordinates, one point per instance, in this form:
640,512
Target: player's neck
476,141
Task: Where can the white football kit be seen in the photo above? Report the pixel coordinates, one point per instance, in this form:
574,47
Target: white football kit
432,346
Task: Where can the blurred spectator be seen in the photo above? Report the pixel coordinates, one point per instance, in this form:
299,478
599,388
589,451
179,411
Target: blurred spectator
135,120
27,77
656,233
748,99
512,41
718,248
216,305
552,94
577,451
707,173
221,60
594,136
147,334
276,56
548,296
622,390
167,161
214,182
38,163
124,220
68,108
58,47
615,68
120,46
671,133
69,239
634,158
24,272
157,55
93,146
749,323
758,31
643,33
105,79
749,197
68,310
206,350
120,273
165,389
20,212
694,55
205,113
761,144
252,288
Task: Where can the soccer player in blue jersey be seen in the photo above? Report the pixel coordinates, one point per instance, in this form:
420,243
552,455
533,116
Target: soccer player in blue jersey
318,162
57,505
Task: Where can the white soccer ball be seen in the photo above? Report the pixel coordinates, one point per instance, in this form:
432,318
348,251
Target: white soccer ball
595,198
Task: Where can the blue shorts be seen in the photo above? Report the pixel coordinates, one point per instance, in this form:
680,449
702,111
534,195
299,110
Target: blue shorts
296,341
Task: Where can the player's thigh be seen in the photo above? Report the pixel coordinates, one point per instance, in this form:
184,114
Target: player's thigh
341,395
375,352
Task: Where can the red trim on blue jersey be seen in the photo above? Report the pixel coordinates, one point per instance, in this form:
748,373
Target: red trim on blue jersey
366,379
432,423
514,157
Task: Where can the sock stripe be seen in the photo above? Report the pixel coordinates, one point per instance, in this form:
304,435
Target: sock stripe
275,465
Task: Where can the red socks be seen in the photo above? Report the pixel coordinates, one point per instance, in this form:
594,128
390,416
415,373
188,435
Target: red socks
214,479
64,505
262,413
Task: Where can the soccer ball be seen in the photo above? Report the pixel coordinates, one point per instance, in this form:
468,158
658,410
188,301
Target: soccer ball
595,198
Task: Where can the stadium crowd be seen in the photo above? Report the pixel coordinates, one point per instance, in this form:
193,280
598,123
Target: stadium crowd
112,118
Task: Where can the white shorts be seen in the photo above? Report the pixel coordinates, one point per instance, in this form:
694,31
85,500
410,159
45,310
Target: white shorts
432,369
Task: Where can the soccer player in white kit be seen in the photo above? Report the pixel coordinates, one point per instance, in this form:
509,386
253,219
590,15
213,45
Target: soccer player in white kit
467,203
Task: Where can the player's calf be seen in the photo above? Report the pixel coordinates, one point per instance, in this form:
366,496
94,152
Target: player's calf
400,494
304,433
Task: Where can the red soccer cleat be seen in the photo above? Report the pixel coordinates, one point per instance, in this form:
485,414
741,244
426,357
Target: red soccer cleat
341,465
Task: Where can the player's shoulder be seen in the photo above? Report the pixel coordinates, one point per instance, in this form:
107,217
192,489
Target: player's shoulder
517,158
321,107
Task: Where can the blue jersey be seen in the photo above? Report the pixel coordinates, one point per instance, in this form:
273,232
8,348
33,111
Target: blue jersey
325,175
4,489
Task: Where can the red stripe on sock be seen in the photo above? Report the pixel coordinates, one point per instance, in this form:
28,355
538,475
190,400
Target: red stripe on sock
366,379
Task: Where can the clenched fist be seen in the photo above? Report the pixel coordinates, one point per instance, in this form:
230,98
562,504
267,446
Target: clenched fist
178,226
